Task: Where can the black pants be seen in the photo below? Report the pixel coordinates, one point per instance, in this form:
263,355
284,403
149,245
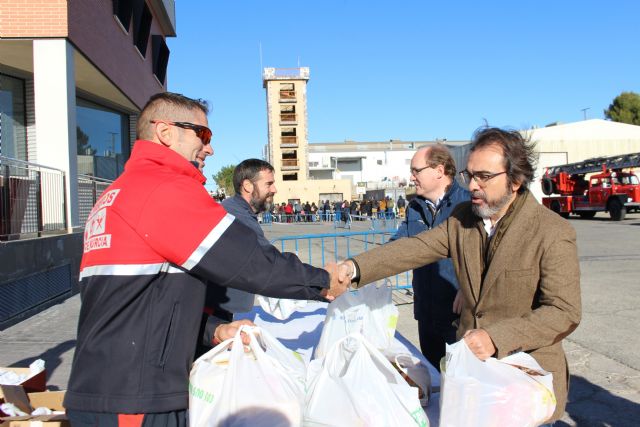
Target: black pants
433,340
95,419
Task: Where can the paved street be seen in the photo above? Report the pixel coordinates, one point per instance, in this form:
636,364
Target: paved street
602,352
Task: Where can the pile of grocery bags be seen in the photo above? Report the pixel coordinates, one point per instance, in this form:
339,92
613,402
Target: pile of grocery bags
354,379
359,376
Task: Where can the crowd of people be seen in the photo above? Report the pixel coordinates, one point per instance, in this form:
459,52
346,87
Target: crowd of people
345,211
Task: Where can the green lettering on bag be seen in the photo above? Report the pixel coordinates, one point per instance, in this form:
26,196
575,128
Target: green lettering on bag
419,416
199,393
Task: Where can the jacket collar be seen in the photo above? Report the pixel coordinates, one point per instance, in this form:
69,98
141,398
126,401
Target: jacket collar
517,232
242,203
453,188
147,152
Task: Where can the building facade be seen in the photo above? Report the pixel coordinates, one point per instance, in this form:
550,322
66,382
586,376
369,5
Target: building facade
74,75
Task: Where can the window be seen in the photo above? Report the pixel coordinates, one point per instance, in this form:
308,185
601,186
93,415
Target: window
287,92
288,132
289,154
349,165
290,176
103,140
160,53
122,9
13,132
287,113
141,26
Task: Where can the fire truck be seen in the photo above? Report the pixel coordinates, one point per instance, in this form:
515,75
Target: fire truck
608,189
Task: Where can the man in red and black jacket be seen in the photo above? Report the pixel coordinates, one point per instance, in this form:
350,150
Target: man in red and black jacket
150,243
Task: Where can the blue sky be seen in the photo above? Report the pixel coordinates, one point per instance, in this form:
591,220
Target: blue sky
411,70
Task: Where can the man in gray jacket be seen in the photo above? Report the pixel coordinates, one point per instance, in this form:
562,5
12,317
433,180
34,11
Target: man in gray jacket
254,185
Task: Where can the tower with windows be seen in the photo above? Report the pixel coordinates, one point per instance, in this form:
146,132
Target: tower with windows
287,120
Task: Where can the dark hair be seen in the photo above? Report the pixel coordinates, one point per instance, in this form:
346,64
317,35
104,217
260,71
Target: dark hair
249,169
440,155
167,106
519,153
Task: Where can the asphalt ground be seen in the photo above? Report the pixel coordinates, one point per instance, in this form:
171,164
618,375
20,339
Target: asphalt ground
602,353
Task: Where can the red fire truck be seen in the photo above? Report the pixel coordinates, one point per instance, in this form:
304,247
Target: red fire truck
613,190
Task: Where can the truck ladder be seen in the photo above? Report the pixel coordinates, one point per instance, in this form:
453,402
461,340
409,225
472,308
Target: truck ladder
595,165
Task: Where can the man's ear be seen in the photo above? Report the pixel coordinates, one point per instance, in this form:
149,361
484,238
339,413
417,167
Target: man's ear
164,133
515,186
247,186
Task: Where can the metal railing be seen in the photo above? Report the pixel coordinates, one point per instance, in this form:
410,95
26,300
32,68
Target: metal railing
288,117
289,139
90,188
290,163
287,94
319,249
32,199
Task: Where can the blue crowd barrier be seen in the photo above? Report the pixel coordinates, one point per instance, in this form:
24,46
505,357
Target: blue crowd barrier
318,249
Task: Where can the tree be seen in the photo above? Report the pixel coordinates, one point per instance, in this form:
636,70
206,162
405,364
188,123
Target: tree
82,142
224,179
625,109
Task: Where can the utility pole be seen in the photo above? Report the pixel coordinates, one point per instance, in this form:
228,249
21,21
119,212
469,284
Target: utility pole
584,112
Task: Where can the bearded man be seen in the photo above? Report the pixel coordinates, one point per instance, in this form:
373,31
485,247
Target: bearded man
516,261
254,185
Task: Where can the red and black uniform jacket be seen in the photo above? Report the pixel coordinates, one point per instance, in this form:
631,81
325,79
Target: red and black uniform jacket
150,243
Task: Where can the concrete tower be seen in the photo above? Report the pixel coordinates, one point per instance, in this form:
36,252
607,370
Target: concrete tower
287,120
287,149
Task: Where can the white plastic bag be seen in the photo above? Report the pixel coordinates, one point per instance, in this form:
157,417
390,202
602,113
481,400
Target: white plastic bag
280,308
415,373
494,392
355,385
368,311
247,388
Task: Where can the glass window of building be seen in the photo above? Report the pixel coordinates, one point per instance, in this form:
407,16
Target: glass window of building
13,133
103,140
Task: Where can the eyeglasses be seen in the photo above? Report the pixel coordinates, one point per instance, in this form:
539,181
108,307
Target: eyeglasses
481,178
416,171
202,132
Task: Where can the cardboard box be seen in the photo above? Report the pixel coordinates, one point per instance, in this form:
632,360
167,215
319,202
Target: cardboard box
33,384
28,402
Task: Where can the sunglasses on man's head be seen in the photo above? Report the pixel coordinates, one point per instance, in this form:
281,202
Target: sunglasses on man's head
202,132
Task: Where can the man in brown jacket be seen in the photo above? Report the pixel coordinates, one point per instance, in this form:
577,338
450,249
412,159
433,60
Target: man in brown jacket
516,260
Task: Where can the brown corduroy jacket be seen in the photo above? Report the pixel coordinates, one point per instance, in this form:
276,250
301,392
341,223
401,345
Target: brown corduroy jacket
527,298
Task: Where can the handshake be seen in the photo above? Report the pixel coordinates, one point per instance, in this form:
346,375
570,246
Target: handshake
341,275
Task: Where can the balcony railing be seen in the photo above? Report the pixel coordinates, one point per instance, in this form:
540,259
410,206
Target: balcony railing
289,164
288,142
33,202
288,118
32,199
287,96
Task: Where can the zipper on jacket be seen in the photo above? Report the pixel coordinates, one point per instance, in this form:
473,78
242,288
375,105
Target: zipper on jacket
168,336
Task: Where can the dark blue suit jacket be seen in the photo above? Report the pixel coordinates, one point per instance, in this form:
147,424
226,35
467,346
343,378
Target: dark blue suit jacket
434,285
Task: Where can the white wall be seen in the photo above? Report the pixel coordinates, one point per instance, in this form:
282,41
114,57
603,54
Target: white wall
55,114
